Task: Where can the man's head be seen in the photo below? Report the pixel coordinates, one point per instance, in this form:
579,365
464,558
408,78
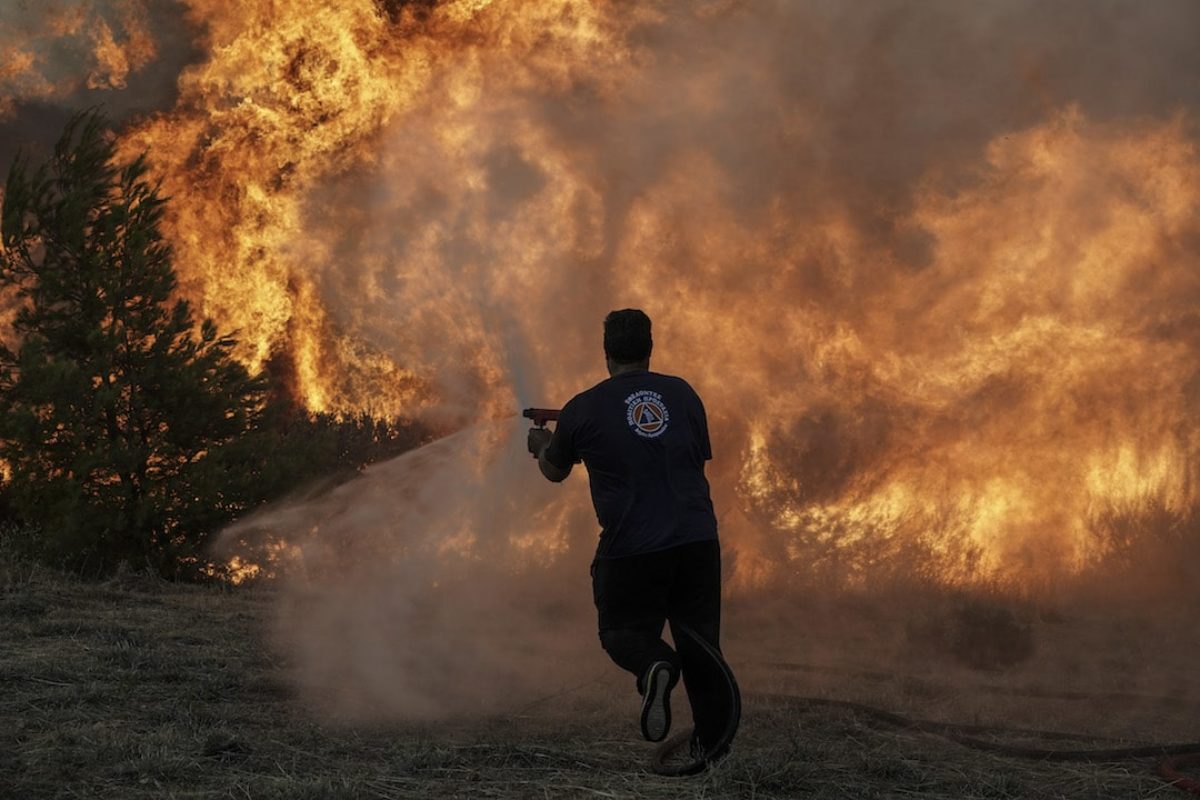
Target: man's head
627,342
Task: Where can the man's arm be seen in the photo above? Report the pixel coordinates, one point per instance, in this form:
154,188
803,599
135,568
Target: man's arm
550,470
539,441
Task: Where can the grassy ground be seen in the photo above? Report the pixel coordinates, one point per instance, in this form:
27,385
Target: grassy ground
135,688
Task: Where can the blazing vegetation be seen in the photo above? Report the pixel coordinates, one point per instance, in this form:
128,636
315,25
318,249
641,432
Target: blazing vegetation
951,336
949,281
115,406
128,431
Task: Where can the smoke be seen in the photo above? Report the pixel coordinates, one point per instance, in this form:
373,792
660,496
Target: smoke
61,56
918,260
449,580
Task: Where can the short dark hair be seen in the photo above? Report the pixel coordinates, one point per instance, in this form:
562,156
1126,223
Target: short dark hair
627,336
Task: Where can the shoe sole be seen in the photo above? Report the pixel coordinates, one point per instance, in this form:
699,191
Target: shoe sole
656,707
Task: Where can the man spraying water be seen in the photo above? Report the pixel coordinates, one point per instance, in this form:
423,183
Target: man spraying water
644,439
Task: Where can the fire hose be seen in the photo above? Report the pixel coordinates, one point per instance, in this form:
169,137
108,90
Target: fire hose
1175,757
720,747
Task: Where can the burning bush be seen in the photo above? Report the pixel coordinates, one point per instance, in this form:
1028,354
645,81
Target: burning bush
1147,551
115,404
129,432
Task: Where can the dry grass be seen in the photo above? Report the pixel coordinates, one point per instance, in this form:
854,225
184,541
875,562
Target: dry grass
140,689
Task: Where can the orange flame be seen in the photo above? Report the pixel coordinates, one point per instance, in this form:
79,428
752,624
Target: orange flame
429,213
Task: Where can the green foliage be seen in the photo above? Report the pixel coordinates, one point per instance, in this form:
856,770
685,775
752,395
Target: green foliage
118,412
130,433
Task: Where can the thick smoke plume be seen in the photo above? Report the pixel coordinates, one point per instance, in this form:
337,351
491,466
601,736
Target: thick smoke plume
53,52
60,56
933,279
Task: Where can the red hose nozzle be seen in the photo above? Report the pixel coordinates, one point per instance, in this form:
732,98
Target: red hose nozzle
541,416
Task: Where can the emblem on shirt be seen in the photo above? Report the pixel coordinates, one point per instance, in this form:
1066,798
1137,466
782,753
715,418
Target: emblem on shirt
646,414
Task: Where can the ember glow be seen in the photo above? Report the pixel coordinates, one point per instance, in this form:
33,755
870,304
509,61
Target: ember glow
958,346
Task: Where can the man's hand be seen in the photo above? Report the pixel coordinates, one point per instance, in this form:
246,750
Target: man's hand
539,440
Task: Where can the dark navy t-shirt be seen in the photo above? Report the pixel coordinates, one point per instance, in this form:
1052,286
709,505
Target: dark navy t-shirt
644,439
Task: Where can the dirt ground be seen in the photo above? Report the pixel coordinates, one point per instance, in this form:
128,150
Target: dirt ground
140,689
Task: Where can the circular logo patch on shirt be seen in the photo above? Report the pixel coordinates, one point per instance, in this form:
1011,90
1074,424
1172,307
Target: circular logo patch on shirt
646,414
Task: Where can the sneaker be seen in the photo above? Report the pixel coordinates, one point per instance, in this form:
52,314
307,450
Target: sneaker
656,701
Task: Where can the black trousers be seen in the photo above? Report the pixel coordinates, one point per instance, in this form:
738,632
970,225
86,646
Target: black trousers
636,595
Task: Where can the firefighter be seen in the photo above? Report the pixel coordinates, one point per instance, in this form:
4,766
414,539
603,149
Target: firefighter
643,437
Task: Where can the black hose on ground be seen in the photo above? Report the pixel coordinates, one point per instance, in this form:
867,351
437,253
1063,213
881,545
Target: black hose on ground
721,746
1178,756
957,733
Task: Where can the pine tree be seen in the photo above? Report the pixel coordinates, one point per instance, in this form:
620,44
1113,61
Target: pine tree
116,409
